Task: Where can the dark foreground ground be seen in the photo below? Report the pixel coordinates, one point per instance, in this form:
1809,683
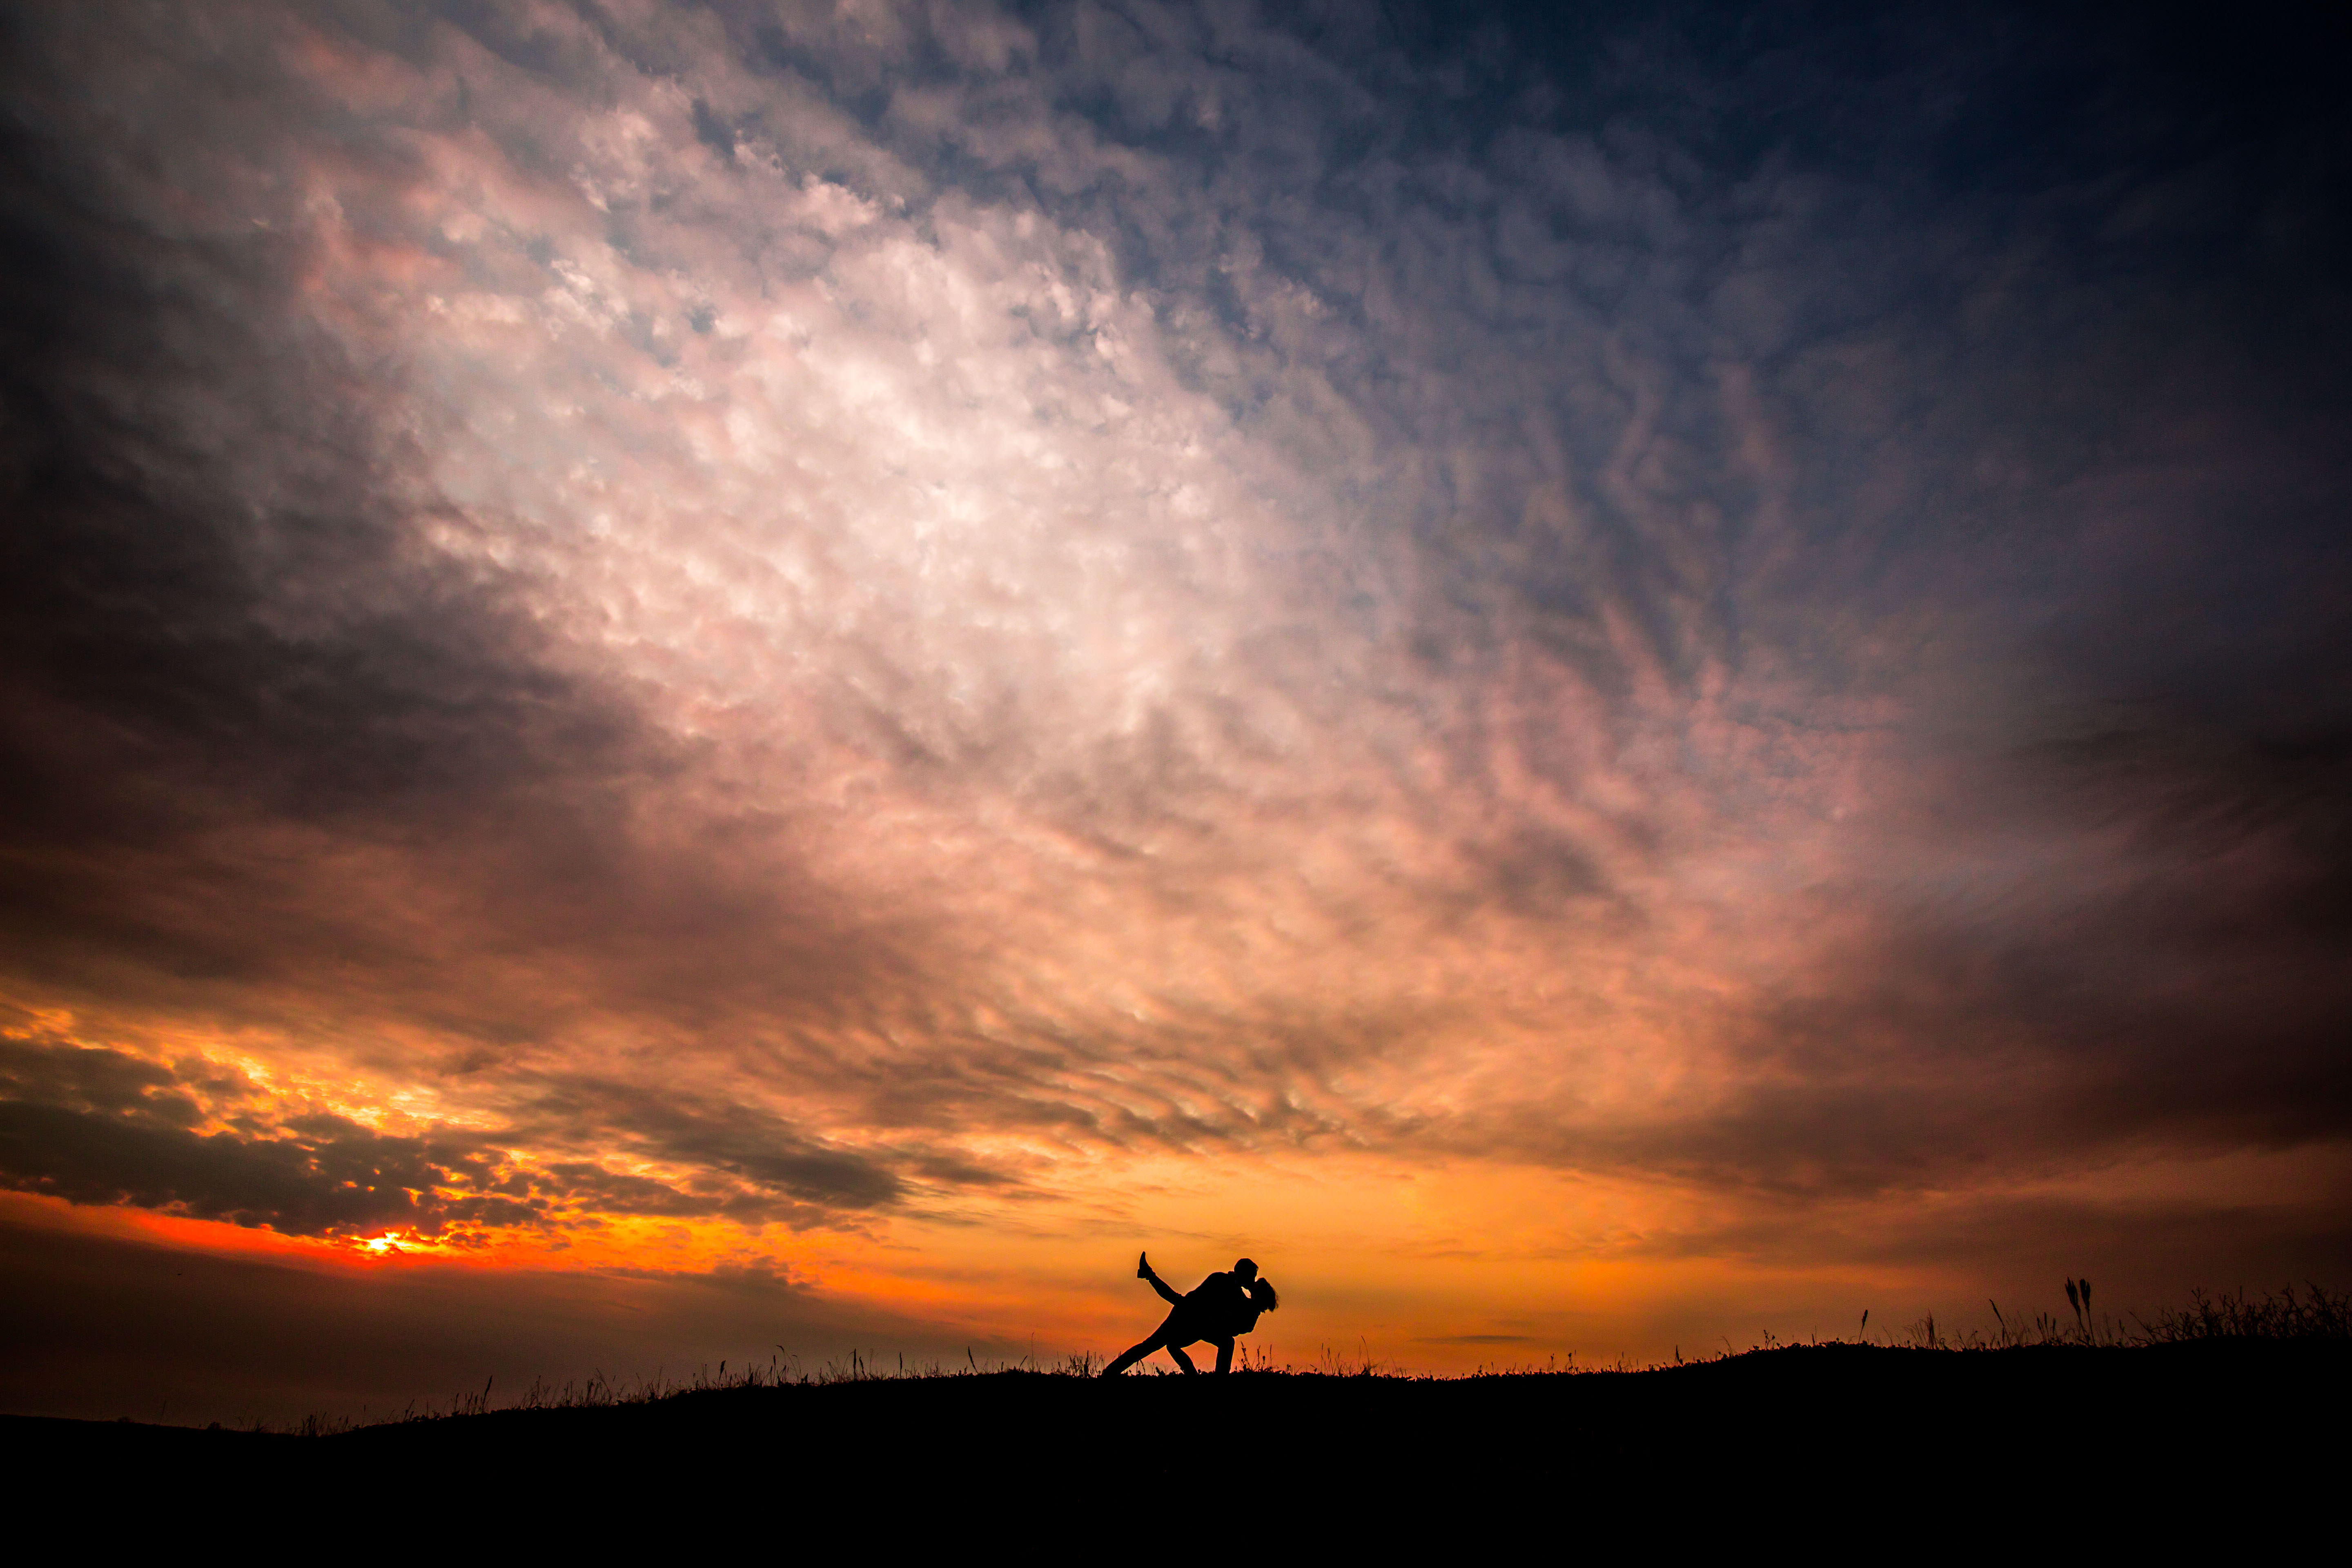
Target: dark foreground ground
2236,1441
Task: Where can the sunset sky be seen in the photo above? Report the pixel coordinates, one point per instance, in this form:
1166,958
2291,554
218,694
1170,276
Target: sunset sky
676,678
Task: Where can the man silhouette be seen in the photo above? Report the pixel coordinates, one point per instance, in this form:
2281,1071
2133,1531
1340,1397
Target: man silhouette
1217,1310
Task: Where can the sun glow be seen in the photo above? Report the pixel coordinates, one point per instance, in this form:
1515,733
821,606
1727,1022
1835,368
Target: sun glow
401,1243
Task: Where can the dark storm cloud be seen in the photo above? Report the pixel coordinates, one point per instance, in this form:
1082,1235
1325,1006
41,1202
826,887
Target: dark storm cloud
52,1072
2257,816
328,1177
96,1126
213,613
741,1142
2191,994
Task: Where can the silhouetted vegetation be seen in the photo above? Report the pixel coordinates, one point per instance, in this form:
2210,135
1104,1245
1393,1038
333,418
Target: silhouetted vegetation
2308,1315
2289,1341
2252,1384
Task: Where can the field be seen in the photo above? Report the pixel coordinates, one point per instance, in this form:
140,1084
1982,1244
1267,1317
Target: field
2199,1415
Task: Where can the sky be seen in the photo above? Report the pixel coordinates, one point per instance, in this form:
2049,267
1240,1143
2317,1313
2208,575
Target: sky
681,679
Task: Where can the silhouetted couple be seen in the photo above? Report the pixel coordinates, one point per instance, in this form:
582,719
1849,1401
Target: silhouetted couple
1218,1310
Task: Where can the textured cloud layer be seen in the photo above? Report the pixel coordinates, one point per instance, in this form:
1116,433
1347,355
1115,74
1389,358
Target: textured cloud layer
899,616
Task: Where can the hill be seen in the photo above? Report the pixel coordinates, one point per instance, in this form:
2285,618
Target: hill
2209,1428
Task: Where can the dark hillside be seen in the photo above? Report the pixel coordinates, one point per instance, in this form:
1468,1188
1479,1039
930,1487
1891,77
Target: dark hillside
2198,1429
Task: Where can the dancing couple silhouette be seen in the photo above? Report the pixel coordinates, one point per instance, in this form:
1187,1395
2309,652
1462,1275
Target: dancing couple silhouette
1218,1310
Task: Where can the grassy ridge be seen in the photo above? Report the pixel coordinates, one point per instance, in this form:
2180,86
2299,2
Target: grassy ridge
2310,1328
2197,1420
2311,1316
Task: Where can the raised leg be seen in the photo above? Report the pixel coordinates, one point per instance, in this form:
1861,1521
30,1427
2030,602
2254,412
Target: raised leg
1144,1273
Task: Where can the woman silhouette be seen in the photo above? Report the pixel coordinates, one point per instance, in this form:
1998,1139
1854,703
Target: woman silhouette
1218,1310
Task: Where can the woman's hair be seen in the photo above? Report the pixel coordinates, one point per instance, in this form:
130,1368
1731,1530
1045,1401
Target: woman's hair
1261,1294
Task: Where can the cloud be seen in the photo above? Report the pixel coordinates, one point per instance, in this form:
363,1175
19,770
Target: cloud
93,1125
98,1127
